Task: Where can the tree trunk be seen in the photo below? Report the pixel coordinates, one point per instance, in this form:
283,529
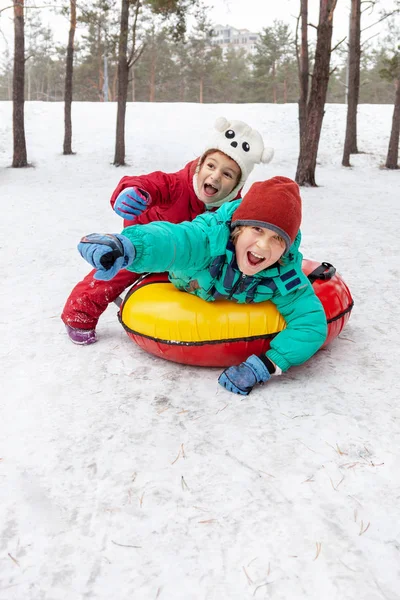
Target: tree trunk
10,86
309,141
114,86
274,93
133,84
201,90
68,81
353,82
19,155
303,68
105,83
152,89
393,151
182,90
285,85
123,76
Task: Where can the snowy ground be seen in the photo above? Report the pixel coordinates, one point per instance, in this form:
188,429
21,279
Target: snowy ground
125,476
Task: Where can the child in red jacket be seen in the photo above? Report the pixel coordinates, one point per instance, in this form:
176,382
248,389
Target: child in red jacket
203,184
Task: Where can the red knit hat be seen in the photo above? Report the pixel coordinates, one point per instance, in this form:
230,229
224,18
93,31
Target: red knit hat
274,204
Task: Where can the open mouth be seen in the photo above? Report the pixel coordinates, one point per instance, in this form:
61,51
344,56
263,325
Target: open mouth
210,190
254,259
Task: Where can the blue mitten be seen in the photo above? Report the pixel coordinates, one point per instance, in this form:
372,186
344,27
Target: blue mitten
108,253
242,378
131,202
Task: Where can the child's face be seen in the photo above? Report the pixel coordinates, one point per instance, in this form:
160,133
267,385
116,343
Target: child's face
257,248
217,177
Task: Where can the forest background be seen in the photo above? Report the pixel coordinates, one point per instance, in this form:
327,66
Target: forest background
171,66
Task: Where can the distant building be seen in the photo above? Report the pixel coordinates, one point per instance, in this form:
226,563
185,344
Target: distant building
227,37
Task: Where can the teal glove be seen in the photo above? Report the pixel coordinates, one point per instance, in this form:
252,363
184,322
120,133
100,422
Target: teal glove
242,378
108,253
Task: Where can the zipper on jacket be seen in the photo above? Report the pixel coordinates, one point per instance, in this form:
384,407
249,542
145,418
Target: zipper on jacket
235,287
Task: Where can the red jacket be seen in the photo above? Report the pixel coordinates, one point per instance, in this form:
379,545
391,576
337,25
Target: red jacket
173,198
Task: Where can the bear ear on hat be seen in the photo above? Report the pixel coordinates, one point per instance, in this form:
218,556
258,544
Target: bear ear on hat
221,124
267,155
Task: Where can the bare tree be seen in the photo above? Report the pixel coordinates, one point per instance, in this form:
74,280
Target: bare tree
164,8
353,82
353,72
393,150
68,81
309,140
391,72
19,154
124,64
303,65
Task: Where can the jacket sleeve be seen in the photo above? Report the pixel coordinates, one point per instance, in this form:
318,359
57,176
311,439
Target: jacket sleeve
306,328
162,187
166,246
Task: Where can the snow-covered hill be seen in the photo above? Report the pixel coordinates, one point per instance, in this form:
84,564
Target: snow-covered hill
124,476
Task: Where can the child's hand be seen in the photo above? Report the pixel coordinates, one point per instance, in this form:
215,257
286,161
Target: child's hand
107,253
131,202
242,378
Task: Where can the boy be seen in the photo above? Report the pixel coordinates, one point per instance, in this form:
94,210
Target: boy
247,252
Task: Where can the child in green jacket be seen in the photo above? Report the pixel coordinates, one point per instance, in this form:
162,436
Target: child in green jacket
247,251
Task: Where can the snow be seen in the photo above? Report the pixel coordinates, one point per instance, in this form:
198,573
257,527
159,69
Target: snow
125,476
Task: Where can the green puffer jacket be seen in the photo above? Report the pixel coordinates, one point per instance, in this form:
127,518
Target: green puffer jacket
200,259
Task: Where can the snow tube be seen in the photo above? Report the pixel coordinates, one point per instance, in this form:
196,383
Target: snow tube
183,328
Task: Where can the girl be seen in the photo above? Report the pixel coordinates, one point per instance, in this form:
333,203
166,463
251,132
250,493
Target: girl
203,185
247,251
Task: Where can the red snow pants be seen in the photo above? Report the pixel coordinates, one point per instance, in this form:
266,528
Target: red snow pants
90,298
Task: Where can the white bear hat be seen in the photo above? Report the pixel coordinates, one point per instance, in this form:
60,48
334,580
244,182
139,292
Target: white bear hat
240,142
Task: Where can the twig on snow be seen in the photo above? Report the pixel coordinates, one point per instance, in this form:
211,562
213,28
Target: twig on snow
347,567
247,575
309,480
354,498
265,473
179,453
125,545
362,529
335,487
207,521
319,545
13,559
260,586
337,449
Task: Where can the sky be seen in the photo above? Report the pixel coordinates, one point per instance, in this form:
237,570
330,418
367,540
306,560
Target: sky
123,471
256,14
251,14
